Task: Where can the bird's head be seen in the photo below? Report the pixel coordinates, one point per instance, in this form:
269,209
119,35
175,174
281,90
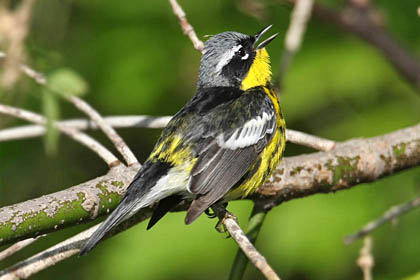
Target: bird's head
232,59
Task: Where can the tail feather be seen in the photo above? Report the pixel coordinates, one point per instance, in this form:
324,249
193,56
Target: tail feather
196,208
136,197
164,206
117,216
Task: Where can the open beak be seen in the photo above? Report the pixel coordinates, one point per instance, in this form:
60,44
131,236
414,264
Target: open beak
265,42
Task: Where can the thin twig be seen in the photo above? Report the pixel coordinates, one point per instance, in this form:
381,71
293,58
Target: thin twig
364,21
17,247
308,140
185,26
366,260
294,35
75,134
119,143
14,27
253,229
394,212
232,226
83,106
29,131
62,251
28,71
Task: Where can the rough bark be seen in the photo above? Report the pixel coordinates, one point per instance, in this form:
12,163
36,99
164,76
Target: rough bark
349,164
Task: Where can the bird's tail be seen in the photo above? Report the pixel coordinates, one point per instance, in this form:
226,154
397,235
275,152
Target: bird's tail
139,195
120,213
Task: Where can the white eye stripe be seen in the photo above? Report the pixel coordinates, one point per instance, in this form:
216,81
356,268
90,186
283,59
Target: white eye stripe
237,48
227,57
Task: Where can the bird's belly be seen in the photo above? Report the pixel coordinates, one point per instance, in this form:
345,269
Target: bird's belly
175,182
261,170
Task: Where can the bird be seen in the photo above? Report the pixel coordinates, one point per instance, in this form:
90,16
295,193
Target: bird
222,145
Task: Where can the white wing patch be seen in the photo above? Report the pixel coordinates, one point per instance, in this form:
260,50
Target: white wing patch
252,132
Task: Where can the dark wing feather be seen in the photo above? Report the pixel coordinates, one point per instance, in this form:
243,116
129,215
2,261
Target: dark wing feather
232,150
225,169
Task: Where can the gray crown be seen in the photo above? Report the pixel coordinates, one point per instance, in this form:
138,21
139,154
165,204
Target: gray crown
218,50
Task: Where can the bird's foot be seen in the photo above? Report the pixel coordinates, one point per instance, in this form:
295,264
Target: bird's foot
210,214
223,214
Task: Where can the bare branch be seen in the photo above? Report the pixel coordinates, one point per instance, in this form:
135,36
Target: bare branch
119,143
17,247
232,226
394,212
14,26
31,73
29,131
253,229
294,35
366,260
80,137
250,251
63,250
308,140
350,163
185,26
22,132
364,21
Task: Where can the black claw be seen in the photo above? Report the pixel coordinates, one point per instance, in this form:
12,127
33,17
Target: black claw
221,209
210,214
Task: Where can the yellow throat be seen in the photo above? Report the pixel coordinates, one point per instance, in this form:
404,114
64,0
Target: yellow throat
260,72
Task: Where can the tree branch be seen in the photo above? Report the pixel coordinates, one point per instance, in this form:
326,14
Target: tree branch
253,229
109,131
29,131
393,213
311,141
80,137
63,250
362,20
365,260
231,225
350,163
17,247
185,26
301,13
80,104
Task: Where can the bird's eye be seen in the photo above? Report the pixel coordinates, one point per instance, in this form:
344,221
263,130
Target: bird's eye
242,53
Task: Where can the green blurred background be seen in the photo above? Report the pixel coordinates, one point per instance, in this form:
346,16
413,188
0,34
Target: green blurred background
135,60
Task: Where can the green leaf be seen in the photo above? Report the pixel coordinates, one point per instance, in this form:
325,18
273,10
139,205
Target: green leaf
51,110
67,82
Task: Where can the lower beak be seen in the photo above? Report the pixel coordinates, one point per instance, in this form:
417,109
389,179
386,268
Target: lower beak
265,42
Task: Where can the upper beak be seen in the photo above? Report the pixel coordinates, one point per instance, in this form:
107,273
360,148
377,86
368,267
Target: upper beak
265,42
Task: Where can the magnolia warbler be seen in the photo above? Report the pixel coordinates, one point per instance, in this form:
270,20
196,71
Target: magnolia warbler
223,144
